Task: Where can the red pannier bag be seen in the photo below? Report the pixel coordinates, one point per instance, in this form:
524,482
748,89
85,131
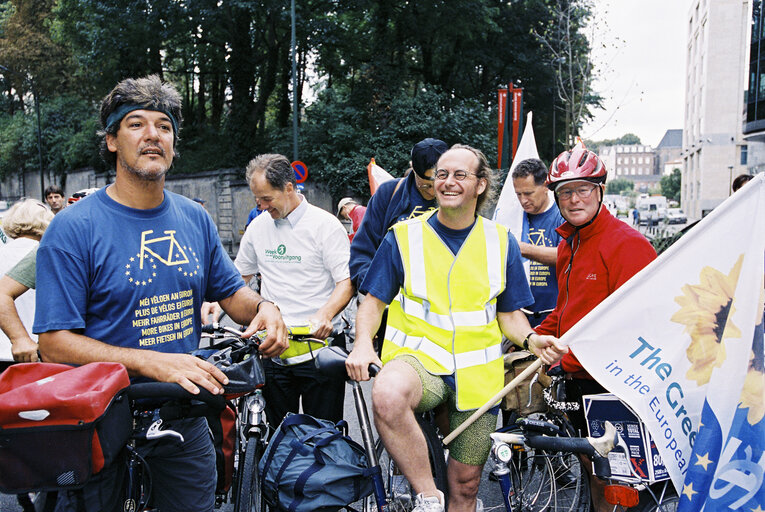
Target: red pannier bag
60,424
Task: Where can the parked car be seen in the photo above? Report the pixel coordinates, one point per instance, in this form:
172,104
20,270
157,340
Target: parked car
676,216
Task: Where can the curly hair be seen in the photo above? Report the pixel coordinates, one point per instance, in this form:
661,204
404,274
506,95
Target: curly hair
28,217
148,93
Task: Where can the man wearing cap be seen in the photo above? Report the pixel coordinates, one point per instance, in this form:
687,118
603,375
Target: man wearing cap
348,209
396,200
121,278
301,253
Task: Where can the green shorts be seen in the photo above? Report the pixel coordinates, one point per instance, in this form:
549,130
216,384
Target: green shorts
471,446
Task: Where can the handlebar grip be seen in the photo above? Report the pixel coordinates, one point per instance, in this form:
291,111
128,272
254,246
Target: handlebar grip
374,370
601,466
171,390
209,328
561,444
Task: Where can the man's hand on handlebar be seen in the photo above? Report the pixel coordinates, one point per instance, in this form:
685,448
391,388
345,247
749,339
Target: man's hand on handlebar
321,325
210,312
188,371
269,318
547,348
362,355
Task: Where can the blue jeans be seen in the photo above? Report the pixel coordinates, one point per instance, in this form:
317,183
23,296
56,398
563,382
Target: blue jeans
183,475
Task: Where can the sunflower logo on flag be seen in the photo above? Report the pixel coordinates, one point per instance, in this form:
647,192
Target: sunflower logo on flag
705,310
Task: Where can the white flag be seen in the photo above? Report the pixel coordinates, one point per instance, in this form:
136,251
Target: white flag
682,344
508,211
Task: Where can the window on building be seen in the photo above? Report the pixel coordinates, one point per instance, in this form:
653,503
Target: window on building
744,154
640,159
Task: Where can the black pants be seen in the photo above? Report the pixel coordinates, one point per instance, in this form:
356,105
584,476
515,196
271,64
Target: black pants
321,396
575,389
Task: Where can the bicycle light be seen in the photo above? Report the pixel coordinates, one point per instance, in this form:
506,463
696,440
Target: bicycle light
622,495
503,453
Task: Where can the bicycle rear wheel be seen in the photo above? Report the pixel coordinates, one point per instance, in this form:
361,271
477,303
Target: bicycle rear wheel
398,491
248,484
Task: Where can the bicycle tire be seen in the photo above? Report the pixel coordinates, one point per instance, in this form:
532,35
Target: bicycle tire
543,480
669,503
248,484
399,492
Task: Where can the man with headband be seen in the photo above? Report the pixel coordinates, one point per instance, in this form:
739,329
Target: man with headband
122,276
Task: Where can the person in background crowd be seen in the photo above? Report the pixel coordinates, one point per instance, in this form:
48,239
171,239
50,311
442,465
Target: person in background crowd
54,196
539,243
349,209
25,222
740,181
105,261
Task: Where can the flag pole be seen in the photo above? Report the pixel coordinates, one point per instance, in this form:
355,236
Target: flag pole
533,367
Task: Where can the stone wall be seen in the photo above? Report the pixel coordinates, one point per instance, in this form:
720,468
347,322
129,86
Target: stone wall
227,197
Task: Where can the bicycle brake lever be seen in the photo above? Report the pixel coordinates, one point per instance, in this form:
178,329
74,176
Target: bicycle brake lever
155,432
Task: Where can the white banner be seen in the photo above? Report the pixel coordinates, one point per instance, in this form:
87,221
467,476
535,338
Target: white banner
682,344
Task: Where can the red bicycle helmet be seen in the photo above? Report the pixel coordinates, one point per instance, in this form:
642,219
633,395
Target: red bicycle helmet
577,164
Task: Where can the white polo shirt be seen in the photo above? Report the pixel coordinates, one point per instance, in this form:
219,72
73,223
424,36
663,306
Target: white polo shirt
300,259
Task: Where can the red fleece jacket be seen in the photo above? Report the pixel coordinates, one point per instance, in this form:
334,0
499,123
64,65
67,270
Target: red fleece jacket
592,263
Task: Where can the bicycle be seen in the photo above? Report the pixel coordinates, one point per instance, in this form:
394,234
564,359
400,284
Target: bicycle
392,492
229,348
525,459
567,476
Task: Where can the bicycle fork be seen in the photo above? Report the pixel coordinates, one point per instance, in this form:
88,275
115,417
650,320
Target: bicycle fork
369,446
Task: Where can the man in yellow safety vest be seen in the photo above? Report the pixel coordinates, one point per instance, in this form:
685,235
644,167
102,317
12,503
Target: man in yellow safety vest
455,284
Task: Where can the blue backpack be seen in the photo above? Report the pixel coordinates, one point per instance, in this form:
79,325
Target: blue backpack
310,465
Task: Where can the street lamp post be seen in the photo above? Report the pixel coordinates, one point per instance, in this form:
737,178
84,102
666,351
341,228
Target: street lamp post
39,125
730,180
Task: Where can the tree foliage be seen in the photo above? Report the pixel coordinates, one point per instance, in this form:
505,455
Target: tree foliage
374,76
626,139
671,185
619,186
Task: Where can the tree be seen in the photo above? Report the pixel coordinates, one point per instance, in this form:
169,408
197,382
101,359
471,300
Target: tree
619,186
570,57
670,185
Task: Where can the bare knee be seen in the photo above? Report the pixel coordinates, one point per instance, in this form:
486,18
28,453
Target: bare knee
396,391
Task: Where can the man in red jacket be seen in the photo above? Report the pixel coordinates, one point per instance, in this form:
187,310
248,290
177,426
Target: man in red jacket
598,254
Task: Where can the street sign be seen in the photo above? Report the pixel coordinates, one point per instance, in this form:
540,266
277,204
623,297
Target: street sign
301,171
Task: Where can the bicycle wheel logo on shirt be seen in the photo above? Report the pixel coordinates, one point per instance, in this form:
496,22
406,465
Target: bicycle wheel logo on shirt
165,249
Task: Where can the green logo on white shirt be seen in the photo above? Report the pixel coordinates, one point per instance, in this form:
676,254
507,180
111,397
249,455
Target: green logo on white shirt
280,255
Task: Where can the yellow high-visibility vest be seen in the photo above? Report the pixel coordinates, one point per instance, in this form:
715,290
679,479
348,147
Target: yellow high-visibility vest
446,313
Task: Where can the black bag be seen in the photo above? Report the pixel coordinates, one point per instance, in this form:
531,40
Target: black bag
311,466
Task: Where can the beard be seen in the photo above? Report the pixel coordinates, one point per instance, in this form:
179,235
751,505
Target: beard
143,173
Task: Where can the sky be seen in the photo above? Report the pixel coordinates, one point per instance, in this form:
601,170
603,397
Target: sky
639,52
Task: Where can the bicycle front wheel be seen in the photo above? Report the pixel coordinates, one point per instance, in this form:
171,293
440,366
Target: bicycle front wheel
548,481
248,484
398,491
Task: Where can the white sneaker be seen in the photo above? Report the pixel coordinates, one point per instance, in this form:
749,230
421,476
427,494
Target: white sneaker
424,503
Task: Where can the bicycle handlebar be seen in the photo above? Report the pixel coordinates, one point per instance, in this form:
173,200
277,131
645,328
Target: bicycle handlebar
172,391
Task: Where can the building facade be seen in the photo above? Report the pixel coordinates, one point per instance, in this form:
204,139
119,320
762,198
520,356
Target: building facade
754,124
634,162
717,61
